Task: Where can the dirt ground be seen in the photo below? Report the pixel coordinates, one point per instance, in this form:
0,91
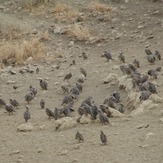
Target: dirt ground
129,27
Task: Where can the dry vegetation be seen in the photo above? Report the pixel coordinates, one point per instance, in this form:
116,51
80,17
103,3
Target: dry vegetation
79,33
96,7
65,13
17,54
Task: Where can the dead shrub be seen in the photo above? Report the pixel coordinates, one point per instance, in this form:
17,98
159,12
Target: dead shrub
96,7
17,54
79,33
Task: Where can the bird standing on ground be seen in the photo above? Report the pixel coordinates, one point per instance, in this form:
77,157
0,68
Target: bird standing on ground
136,63
49,113
9,108
79,137
33,89
14,103
68,76
84,55
107,55
103,117
148,51
42,104
158,55
29,97
43,84
83,71
121,58
27,114
64,89
103,138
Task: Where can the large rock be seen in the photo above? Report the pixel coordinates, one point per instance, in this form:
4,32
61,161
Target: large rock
126,83
115,113
65,123
85,119
111,78
155,98
145,106
25,127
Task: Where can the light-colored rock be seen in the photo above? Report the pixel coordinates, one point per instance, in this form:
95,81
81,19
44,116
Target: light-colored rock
161,120
133,101
85,119
161,112
57,30
155,98
65,123
115,113
25,127
126,83
111,78
42,127
63,152
15,152
10,82
137,112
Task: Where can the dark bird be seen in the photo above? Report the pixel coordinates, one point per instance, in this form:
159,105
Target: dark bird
42,104
14,103
68,76
121,108
67,99
29,97
84,55
79,137
103,117
121,58
158,55
122,68
64,89
9,108
27,114
109,103
152,88
107,55
89,101
158,69
80,80
136,63
152,73
117,96
151,58
103,138
144,95
131,67
15,87
43,84
37,70
74,91
83,71
2,102
56,113
144,78
94,111
79,86
49,113
33,89
148,51
73,63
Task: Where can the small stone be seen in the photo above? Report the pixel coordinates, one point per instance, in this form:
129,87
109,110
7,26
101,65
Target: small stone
63,152
25,127
71,43
10,82
85,119
12,72
161,112
42,127
20,160
115,113
161,120
15,152
39,150
77,146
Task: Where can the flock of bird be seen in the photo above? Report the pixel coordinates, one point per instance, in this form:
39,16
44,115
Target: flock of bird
140,82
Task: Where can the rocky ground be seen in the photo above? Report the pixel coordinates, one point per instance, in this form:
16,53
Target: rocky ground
49,35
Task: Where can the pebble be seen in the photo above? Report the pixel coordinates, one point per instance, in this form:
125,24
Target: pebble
10,82
15,152
161,120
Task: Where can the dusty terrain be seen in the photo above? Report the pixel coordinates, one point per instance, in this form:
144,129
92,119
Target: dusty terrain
129,28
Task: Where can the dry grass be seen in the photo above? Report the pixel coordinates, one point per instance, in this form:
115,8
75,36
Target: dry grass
17,54
65,13
79,33
96,7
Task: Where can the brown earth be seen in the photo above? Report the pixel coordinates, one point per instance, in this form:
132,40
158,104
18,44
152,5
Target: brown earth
128,27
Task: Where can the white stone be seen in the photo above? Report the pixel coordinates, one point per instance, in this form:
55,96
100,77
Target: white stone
25,127
85,119
115,113
155,98
111,78
65,123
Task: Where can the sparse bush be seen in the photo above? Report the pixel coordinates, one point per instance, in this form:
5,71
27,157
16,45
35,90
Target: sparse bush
97,7
79,33
17,54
